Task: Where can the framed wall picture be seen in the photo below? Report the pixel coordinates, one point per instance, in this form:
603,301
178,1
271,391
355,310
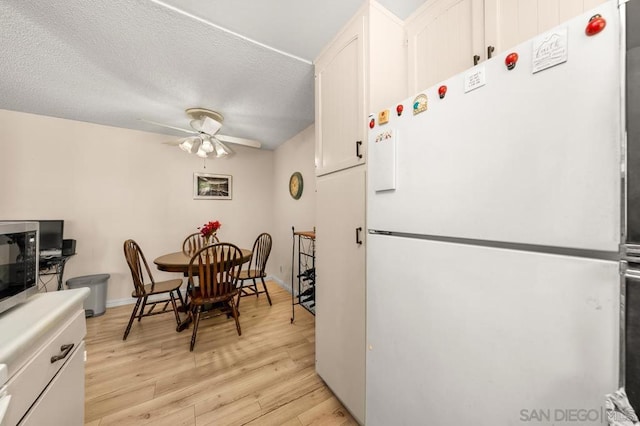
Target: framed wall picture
208,186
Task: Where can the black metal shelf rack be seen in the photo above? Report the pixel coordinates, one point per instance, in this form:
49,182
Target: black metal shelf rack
303,269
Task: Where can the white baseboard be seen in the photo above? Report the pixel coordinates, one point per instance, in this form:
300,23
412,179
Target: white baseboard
279,282
130,300
119,302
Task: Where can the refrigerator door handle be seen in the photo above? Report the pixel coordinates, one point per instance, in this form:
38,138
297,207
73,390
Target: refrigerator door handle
632,274
628,272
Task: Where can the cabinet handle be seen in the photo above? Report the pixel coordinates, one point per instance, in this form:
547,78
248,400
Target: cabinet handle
64,351
490,50
358,240
476,59
358,154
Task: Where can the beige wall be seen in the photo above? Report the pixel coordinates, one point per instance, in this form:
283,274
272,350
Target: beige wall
295,155
110,184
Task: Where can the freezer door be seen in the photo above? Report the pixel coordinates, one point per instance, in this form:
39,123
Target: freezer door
469,335
527,158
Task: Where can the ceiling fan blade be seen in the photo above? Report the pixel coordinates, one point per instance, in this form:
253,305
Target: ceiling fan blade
168,127
239,141
179,142
209,126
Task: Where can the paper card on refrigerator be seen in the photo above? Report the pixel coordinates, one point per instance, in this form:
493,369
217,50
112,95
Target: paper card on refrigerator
384,158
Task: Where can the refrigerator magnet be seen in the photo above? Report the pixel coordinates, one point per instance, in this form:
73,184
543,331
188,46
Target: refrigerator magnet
511,60
420,104
595,25
383,117
474,78
549,49
442,91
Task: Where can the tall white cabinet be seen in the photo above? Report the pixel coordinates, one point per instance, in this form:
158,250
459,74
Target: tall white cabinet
446,37
340,288
362,70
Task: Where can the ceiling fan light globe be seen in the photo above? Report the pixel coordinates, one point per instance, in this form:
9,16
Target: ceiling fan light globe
202,153
207,146
220,149
186,145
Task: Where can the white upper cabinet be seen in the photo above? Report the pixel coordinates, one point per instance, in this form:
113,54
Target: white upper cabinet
446,37
510,22
340,101
361,70
443,36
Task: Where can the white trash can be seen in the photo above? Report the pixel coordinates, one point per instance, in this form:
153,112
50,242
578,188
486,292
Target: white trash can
95,303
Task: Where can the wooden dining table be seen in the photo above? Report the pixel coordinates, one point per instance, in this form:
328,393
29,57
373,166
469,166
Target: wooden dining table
179,262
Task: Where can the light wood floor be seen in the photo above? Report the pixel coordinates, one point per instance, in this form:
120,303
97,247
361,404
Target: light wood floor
264,377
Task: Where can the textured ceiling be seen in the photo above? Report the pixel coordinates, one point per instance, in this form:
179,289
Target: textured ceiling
119,61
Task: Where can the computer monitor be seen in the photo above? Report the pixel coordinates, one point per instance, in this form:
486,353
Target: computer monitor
51,235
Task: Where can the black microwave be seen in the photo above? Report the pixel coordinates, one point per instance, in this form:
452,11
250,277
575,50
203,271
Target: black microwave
18,262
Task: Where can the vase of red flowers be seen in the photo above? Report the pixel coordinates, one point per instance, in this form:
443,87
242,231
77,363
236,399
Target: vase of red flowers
208,231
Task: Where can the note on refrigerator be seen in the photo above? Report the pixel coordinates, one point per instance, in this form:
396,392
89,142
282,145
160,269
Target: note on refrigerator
384,158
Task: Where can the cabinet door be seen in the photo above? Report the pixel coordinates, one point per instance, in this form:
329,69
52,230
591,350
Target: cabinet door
340,286
443,38
510,22
340,101
62,402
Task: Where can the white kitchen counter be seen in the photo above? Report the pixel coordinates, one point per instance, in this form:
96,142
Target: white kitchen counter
26,327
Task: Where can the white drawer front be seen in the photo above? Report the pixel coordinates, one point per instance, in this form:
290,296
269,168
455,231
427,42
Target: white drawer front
25,386
62,403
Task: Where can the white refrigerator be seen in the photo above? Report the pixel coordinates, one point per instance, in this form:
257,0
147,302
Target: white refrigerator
495,220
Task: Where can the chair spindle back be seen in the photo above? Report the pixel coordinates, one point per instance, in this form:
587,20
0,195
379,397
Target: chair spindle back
217,267
140,271
260,253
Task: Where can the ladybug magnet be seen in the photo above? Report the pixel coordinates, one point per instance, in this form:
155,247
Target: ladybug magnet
442,91
511,60
399,109
372,121
595,25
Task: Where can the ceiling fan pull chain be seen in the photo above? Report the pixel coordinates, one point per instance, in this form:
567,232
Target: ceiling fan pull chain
204,162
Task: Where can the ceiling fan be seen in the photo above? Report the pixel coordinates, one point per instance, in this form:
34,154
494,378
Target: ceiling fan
205,140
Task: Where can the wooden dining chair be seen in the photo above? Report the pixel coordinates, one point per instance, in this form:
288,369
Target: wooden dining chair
256,269
144,286
195,242
190,246
216,267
